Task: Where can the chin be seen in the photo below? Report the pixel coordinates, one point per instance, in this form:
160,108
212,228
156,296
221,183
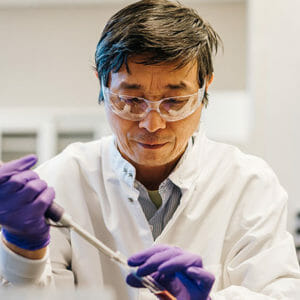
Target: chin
153,162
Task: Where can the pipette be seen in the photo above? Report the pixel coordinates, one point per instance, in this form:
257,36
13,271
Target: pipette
57,214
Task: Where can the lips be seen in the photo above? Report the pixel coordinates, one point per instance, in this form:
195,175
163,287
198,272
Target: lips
152,146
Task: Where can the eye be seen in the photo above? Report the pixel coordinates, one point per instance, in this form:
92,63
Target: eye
131,100
175,101
174,104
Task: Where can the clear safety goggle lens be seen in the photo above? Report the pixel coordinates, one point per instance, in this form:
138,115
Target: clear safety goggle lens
136,108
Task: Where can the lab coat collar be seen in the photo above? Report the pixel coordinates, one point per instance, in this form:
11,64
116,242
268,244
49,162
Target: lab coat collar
184,173
124,169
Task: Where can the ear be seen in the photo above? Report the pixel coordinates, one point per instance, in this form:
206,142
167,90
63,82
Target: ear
97,74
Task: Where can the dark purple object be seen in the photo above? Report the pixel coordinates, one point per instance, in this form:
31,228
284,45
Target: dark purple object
180,272
24,200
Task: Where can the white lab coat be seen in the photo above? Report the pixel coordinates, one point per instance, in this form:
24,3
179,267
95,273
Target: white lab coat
232,213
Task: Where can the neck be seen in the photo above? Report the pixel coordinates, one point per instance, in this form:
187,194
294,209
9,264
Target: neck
152,177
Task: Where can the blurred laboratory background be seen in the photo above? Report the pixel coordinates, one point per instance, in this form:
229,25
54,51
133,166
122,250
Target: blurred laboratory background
49,92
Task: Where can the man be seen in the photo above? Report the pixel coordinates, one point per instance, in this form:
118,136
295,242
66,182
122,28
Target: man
202,218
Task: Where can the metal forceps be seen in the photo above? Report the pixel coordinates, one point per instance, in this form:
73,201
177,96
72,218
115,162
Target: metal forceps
57,214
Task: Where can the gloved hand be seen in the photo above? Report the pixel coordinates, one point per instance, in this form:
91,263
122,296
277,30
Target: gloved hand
24,199
180,272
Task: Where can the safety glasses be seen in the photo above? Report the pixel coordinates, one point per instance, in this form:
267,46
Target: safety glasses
136,108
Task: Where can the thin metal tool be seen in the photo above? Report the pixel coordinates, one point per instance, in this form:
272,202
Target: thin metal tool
57,214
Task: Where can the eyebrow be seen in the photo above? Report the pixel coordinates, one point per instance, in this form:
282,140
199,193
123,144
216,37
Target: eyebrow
135,86
180,86
129,86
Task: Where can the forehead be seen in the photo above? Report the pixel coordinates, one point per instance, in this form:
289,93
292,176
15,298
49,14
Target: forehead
164,75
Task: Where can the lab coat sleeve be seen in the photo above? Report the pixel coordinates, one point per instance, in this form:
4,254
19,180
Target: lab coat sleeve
260,257
16,270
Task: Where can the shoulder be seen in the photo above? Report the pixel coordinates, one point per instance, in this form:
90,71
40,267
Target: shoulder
243,186
79,149
249,180
242,175
229,159
223,167
76,156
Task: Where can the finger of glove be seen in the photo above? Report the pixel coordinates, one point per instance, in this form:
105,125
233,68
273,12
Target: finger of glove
36,210
189,289
133,281
180,263
204,278
44,200
29,217
153,262
139,258
31,190
15,166
17,200
17,182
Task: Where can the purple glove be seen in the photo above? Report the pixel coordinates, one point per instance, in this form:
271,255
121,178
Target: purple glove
24,199
180,272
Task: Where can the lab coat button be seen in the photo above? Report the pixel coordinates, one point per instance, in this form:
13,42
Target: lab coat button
130,199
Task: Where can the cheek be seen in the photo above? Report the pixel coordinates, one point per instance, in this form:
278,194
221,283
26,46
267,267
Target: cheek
115,123
119,127
182,138
185,128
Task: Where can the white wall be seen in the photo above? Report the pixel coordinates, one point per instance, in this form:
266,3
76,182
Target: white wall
274,64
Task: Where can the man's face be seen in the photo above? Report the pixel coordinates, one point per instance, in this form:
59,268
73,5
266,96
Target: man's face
153,142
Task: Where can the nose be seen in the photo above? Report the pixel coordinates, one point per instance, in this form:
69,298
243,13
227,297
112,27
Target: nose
152,122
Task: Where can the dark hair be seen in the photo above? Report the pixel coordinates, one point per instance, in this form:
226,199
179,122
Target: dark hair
164,30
